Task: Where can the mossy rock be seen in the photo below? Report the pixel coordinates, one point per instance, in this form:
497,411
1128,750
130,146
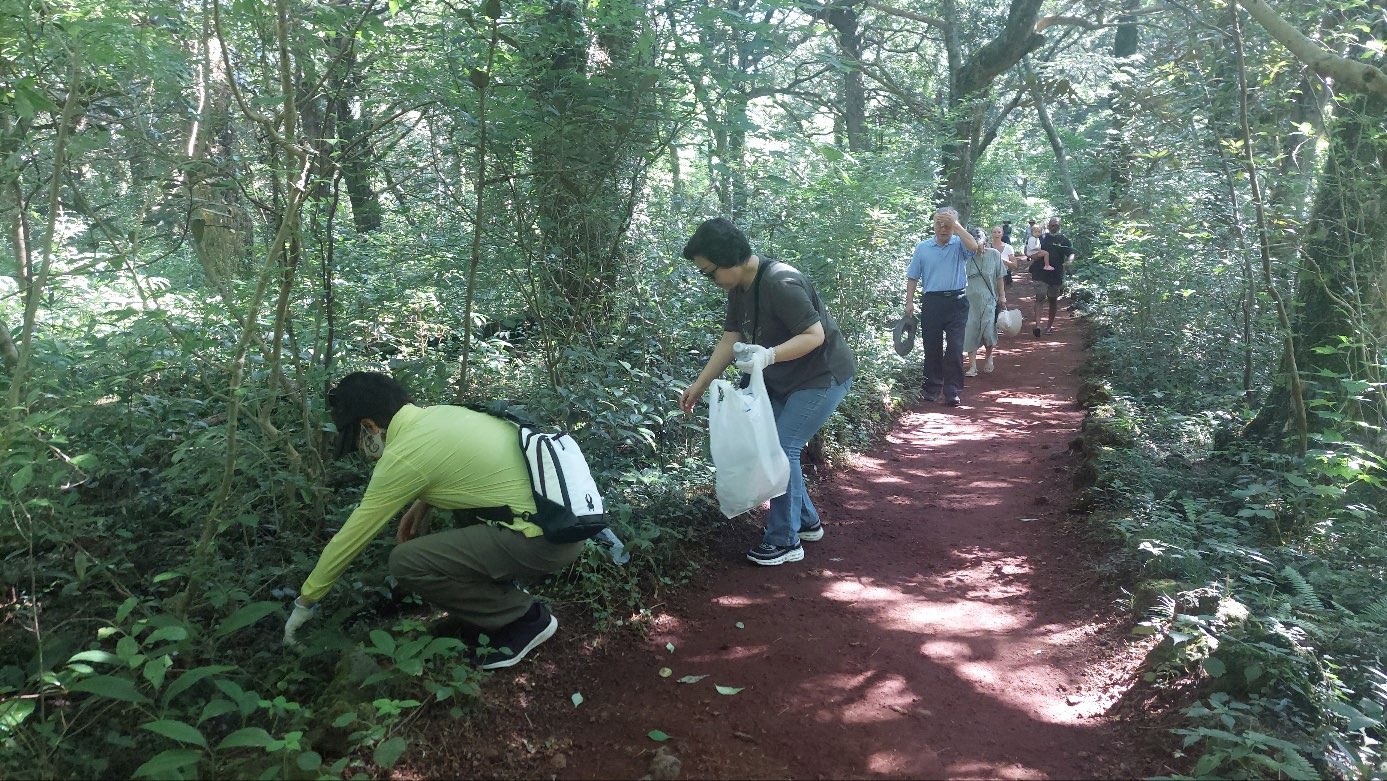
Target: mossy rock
1093,393
1265,660
1201,601
1108,432
1148,593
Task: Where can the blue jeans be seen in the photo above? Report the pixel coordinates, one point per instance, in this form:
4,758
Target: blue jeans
797,417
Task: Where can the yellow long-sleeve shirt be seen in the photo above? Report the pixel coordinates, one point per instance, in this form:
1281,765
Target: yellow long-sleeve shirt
451,457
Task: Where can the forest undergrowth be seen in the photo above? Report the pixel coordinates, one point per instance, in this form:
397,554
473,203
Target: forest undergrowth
1259,572
213,211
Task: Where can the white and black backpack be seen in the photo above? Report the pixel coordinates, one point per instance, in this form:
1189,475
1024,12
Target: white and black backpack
568,506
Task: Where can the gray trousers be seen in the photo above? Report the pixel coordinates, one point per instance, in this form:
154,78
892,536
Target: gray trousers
473,572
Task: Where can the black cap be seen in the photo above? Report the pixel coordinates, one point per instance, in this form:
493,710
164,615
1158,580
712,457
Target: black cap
903,335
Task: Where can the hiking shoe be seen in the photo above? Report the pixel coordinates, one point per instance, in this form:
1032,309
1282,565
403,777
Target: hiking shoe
954,401
770,555
452,626
1035,331
1050,330
518,638
808,533
987,365
930,397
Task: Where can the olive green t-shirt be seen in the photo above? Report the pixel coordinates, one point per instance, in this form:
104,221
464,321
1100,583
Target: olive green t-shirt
786,304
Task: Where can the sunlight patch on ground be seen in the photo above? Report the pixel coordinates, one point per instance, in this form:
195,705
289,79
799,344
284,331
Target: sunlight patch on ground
850,591
946,650
1027,401
990,646
733,600
874,703
893,765
980,618
986,770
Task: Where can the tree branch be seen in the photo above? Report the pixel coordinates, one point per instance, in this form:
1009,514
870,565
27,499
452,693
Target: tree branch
1359,76
932,21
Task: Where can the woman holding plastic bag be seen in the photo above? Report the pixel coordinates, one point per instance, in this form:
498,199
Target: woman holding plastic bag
789,337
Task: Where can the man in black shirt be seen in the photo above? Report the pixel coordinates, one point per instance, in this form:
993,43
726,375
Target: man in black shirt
1047,272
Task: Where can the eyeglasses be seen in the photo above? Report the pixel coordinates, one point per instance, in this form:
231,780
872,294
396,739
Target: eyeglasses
711,274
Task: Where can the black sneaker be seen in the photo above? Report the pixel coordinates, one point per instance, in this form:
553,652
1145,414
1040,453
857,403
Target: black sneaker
513,641
954,401
930,397
771,555
452,626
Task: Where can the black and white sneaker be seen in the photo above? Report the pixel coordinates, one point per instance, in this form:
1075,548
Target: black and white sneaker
513,641
812,533
771,555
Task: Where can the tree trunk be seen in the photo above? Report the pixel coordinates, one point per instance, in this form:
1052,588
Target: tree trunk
845,20
355,156
1344,279
970,80
1340,326
1119,155
591,131
1061,156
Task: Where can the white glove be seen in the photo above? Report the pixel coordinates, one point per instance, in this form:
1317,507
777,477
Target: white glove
752,356
297,619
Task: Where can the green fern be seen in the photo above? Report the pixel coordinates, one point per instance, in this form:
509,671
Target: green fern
1375,614
1302,593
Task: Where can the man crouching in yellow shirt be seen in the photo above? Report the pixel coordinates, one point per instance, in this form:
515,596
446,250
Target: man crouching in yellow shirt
456,459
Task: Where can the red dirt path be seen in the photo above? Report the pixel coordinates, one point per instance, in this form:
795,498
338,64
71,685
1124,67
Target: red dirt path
946,626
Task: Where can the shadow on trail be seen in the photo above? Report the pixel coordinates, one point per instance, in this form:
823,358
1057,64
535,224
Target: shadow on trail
942,628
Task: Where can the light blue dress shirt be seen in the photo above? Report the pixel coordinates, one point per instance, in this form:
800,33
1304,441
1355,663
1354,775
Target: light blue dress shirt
940,267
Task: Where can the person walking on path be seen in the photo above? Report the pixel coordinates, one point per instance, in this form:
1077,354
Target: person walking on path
777,320
1001,242
937,268
985,290
452,458
1048,265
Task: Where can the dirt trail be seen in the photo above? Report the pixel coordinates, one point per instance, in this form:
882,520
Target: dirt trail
944,627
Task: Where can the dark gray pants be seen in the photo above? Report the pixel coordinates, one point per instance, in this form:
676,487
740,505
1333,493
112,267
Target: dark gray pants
473,572
942,320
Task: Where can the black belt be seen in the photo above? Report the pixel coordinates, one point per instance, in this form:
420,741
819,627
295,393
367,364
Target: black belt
953,293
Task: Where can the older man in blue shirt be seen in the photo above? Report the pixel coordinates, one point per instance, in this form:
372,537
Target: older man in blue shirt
939,269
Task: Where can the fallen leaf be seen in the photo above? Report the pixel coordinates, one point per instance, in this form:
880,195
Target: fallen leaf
669,647
740,625
657,736
692,678
577,699
728,689
665,672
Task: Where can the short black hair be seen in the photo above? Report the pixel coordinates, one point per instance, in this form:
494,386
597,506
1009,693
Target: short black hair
720,242
363,395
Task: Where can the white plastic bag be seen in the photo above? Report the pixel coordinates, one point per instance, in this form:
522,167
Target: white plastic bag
745,446
1009,322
